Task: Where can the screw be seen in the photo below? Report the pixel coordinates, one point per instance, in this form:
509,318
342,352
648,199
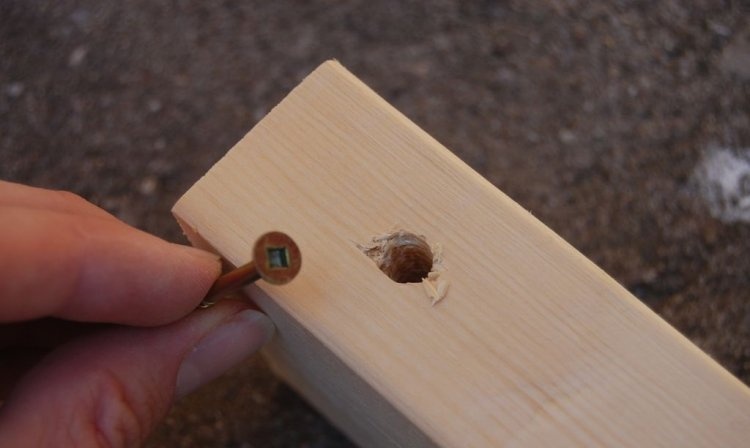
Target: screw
276,259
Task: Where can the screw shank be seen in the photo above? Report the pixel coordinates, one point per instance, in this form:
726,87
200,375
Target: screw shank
233,280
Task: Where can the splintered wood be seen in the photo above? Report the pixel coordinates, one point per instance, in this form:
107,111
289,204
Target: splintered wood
407,258
532,344
436,284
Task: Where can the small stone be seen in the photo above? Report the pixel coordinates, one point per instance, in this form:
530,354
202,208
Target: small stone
719,28
566,136
505,76
81,18
153,105
148,185
77,56
723,177
14,89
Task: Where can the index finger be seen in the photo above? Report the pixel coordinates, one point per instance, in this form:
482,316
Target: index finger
85,267
19,195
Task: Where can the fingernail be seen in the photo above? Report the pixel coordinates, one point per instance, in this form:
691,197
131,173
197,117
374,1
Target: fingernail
222,349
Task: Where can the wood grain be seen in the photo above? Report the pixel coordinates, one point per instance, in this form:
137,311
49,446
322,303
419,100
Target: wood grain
533,344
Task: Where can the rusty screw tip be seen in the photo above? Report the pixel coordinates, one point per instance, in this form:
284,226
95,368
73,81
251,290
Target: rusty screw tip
276,259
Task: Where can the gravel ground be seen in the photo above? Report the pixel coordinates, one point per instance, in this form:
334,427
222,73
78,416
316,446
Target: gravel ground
623,125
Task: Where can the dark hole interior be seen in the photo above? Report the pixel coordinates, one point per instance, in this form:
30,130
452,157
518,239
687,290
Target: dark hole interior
278,257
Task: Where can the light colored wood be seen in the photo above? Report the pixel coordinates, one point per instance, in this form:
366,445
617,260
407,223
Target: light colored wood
533,344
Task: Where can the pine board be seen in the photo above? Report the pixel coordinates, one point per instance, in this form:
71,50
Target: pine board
533,344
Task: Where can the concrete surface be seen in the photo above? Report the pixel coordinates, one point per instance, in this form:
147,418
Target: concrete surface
623,125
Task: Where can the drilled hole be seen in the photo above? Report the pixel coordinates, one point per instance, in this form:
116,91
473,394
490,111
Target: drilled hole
402,256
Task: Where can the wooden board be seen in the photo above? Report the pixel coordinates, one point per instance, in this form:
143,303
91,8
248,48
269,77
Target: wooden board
533,345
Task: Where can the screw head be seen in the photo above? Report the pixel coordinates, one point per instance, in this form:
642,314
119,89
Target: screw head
277,258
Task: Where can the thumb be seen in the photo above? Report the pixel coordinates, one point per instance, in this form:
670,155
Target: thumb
113,388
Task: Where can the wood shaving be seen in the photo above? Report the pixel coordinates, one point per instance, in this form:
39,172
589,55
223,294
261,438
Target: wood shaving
435,284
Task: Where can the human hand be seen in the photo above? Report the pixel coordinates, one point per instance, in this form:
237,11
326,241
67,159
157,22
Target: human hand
110,310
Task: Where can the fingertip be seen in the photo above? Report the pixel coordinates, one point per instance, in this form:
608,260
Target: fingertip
194,273
201,266
133,278
223,348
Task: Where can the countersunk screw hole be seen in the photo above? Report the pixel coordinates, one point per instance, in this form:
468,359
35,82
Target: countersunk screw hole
403,256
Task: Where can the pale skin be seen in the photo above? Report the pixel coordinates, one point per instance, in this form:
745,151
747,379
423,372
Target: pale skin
98,329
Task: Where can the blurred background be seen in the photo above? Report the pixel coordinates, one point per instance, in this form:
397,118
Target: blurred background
623,125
